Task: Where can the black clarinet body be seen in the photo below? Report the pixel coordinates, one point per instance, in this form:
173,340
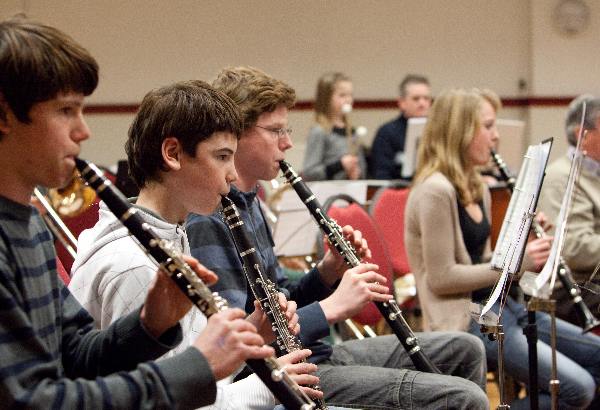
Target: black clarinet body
264,290
389,310
268,370
565,276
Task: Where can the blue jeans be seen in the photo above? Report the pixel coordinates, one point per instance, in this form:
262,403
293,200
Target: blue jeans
377,373
577,357
280,407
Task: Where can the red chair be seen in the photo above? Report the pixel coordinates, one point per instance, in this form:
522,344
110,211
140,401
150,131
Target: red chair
355,215
62,272
387,209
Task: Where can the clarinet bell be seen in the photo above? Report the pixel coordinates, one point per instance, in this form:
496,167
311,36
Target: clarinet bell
591,323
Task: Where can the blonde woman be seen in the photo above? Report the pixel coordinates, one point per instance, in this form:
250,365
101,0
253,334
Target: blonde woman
333,150
448,245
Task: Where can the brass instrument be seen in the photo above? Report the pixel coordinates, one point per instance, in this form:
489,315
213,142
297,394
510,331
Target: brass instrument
69,201
72,199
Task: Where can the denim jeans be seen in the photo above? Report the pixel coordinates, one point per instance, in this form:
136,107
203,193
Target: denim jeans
280,407
578,357
377,373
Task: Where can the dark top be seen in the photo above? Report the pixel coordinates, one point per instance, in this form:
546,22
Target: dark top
212,243
388,143
334,168
475,235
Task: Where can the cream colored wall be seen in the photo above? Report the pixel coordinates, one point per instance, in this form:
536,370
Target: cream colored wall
144,44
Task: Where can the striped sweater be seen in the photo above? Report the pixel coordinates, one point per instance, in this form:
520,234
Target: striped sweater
50,355
212,244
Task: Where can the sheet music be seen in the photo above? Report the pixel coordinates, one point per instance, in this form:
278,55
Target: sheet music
512,240
522,203
514,253
550,269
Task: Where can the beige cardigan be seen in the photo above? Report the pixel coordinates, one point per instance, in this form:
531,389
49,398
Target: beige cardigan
443,270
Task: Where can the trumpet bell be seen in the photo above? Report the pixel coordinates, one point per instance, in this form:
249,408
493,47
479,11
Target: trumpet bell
73,199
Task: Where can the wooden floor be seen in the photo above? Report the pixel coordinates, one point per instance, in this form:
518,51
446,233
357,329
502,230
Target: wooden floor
512,390
492,392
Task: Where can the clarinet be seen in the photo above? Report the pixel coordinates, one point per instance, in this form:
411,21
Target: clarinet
170,260
389,310
264,290
564,272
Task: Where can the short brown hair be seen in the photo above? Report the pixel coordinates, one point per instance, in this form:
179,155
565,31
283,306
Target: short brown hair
191,111
37,62
411,79
254,91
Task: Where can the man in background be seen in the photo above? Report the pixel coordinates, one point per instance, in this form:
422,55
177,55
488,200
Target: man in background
388,146
582,243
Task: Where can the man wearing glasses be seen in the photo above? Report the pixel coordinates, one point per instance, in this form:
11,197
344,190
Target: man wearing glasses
372,373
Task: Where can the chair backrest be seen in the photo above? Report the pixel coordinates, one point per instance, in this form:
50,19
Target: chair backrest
387,209
353,214
62,272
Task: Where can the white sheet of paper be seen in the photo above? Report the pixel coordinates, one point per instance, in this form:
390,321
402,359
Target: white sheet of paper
550,268
296,233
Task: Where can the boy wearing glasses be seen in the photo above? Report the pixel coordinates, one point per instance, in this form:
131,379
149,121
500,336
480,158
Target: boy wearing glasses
372,373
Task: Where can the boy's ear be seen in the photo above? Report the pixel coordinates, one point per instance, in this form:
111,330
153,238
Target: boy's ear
171,151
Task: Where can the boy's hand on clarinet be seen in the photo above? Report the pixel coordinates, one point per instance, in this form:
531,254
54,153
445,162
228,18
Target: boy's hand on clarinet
359,286
333,266
165,303
228,340
259,319
301,372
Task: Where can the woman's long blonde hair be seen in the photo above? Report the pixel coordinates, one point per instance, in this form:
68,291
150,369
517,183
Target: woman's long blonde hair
453,121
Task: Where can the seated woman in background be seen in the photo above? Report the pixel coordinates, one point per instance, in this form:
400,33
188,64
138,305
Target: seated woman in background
333,150
447,236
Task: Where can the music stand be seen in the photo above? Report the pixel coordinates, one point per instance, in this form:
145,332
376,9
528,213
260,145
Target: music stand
414,130
294,233
510,248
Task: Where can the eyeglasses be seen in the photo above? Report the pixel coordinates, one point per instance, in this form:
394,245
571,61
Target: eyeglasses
280,132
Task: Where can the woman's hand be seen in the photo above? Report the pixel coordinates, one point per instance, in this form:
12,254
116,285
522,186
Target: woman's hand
538,251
